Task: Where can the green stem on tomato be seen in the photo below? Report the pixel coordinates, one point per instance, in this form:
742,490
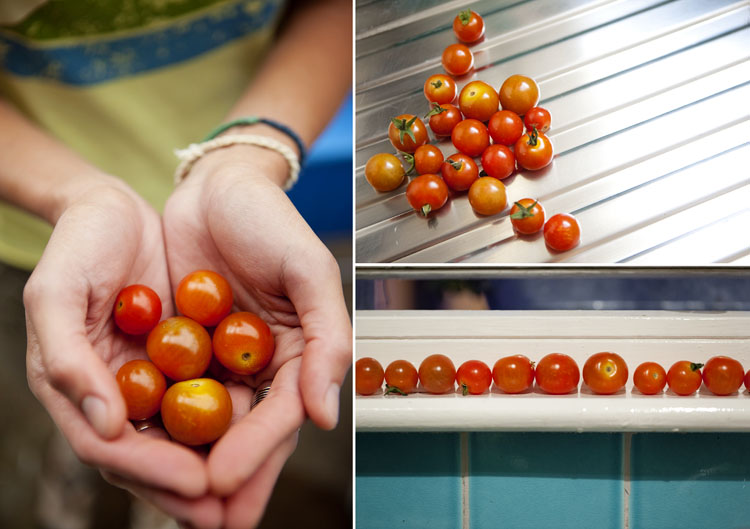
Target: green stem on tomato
523,211
533,137
695,367
408,158
435,110
393,389
426,209
464,389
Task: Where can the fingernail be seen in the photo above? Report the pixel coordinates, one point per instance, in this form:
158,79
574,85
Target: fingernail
95,411
332,403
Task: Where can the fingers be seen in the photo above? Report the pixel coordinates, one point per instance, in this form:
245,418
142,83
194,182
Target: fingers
248,442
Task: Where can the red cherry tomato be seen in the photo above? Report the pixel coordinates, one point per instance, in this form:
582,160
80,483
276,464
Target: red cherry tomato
468,26
137,309
368,376
557,374
457,59
142,386
443,119
437,374
180,348
562,232
605,373
243,343
440,88
684,377
534,151
427,193
204,296
650,378
487,196
470,137
401,377
407,132
519,94
513,374
537,118
459,172
505,127
478,100
197,411
473,376
384,172
428,159
527,216
498,161
747,380
723,375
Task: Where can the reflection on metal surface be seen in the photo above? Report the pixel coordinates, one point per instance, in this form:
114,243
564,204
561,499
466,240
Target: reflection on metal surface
650,123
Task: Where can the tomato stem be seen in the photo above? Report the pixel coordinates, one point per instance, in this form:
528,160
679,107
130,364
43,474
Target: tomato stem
456,164
426,209
408,158
393,389
523,211
464,389
533,137
695,367
437,84
436,109
465,16
404,128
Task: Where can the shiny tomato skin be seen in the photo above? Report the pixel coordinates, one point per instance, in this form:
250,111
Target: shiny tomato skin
513,374
557,374
368,376
437,374
443,123
533,222
478,100
384,172
243,343
537,118
473,377
196,411
605,373
180,348
562,232
459,172
534,151
426,193
428,159
468,26
405,143
684,377
204,296
505,127
650,378
487,196
137,309
498,161
457,59
401,375
747,380
723,375
440,88
470,137
142,386
519,94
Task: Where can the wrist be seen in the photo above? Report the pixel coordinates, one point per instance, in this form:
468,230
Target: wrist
75,188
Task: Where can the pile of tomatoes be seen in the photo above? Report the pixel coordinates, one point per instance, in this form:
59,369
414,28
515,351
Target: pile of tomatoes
604,373
501,128
195,409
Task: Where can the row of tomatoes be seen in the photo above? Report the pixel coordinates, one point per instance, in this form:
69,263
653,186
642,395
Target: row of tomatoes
556,373
194,410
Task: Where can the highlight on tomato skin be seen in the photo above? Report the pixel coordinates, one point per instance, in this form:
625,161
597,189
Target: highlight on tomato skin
243,343
437,374
142,386
204,296
196,411
180,348
368,376
137,309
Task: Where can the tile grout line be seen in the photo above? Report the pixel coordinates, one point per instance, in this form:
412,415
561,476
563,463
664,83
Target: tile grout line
464,446
627,441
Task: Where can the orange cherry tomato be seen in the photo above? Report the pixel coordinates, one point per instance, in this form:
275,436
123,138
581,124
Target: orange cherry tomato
684,377
197,411
519,94
605,373
457,59
204,296
468,26
487,196
505,127
137,309
427,193
534,151
407,132
142,386
470,137
428,159
444,118
478,100
243,343
473,376
557,374
498,161
537,118
384,172
440,88
562,232
650,378
437,374
723,375
459,171
368,376
401,377
527,216
513,374
180,348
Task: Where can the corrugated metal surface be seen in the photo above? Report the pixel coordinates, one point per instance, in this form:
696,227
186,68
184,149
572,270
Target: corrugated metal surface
650,104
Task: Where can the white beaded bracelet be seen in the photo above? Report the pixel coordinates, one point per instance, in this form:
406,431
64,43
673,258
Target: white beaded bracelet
193,152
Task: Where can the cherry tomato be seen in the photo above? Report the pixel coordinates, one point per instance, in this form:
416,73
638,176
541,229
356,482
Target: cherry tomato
427,193
440,88
243,343
557,374
473,376
142,386
197,411
470,137
137,309
407,132
204,296
534,151
384,172
650,378
562,232
487,196
519,94
457,59
437,374
459,171
368,376
428,159
180,348
443,118
605,373
498,161
527,216
537,118
478,100
723,375
468,26
505,127
401,377
747,380
684,377
513,374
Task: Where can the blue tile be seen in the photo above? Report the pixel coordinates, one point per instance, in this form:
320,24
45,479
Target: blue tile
408,480
686,481
533,480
